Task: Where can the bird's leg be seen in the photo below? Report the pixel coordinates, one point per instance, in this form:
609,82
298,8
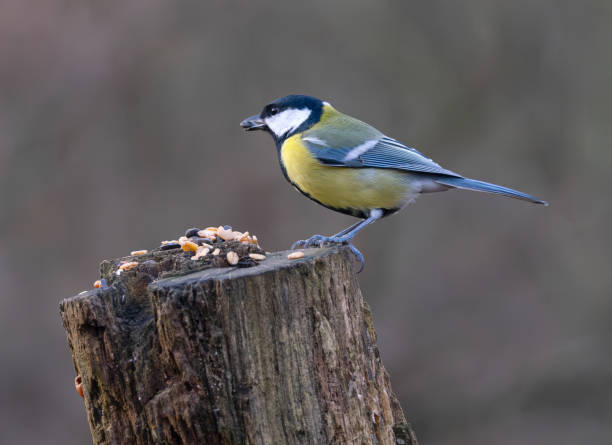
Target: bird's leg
342,237
347,230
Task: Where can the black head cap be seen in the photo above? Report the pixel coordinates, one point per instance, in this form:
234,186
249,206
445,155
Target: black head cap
297,101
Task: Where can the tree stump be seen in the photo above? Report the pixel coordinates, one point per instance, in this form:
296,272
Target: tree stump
283,352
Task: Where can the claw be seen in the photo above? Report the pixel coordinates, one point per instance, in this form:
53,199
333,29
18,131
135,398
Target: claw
313,241
297,244
359,256
321,241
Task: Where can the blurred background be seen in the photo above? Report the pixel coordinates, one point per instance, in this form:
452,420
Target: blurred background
119,128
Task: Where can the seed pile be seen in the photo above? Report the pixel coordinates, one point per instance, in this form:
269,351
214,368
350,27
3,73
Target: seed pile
196,250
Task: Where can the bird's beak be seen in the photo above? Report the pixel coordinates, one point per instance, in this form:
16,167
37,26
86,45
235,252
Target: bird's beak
253,123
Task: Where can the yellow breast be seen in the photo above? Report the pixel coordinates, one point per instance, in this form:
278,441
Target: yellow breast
344,188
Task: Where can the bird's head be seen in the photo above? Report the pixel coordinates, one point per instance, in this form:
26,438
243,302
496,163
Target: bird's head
286,116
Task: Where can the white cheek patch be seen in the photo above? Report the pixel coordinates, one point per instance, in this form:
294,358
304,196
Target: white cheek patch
360,149
287,120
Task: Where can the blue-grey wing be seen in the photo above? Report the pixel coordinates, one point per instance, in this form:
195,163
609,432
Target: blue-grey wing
383,152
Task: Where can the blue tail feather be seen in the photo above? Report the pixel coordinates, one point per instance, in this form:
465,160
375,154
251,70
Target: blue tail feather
481,186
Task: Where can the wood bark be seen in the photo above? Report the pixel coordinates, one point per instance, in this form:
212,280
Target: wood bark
283,352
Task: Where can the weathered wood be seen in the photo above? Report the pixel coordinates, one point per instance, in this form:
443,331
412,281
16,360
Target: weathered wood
280,353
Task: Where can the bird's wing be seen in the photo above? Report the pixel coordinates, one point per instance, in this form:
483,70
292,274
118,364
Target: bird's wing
378,151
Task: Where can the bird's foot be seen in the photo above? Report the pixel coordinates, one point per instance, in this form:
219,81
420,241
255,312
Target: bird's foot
322,241
313,241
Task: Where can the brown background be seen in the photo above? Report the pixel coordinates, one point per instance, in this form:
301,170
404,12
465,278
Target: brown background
119,128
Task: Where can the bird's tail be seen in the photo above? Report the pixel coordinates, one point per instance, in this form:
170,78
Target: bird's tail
481,186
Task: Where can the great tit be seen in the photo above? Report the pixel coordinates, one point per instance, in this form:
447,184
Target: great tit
349,166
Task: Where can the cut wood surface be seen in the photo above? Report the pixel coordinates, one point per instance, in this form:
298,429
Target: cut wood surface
283,352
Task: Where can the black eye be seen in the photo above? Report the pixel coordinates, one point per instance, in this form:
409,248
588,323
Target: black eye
273,110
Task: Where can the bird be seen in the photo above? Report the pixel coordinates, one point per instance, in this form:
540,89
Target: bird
351,167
